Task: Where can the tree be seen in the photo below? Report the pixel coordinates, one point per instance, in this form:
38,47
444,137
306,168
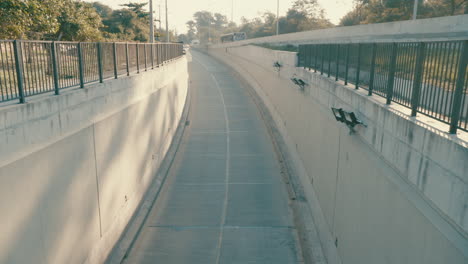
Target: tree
192,30
103,10
138,9
310,8
79,21
220,21
207,25
183,38
29,19
437,8
304,15
377,11
127,24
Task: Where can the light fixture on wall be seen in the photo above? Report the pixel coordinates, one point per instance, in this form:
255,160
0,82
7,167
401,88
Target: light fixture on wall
277,65
349,118
299,82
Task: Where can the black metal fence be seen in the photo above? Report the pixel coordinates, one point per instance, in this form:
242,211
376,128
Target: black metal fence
33,67
428,77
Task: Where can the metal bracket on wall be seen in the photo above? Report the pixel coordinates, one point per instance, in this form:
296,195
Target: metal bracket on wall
277,65
348,118
299,82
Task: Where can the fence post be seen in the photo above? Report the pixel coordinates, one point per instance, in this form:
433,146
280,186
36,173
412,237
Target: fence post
457,97
80,65
329,58
311,49
146,57
18,52
323,58
337,61
114,47
358,68
55,68
99,58
137,57
418,73
126,58
391,74
372,70
156,47
152,56
348,48
315,48
301,56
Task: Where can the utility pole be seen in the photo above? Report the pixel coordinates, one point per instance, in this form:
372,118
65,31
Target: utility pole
232,11
209,32
415,10
151,21
277,18
160,28
167,25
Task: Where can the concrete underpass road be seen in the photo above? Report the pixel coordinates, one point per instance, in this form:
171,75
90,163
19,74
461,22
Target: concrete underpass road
224,200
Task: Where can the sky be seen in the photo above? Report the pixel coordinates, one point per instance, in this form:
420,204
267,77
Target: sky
181,11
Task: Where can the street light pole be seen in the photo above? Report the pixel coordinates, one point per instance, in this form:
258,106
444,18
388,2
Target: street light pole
232,11
160,28
151,21
415,9
167,25
209,31
277,18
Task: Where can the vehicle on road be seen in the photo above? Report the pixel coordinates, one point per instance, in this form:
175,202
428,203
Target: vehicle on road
235,36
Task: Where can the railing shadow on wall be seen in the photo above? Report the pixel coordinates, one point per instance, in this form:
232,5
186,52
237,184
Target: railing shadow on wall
29,68
428,77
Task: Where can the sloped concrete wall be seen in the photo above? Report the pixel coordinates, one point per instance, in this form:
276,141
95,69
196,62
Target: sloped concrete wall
394,192
430,29
74,167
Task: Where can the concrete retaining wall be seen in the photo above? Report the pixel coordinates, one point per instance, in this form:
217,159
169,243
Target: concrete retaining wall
74,167
431,29
394,192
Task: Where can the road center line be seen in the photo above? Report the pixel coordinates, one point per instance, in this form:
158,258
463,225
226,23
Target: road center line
228,160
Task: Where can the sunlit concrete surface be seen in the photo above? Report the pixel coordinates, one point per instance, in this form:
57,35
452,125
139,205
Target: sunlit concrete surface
376,202
224,200
74,167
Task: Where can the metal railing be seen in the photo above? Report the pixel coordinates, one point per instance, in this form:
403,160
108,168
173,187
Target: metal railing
29,68
428,77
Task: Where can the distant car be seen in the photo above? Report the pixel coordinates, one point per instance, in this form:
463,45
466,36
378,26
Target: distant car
185,48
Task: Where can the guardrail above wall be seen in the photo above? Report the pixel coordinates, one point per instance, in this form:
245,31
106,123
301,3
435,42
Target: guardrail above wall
428,77
34,67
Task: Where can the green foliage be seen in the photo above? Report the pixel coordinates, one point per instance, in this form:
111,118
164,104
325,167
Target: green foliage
206,26
303,15
378,11
192,30
137,8
130,24
29,19
72,20
437,8
103,10
49,19
79,21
